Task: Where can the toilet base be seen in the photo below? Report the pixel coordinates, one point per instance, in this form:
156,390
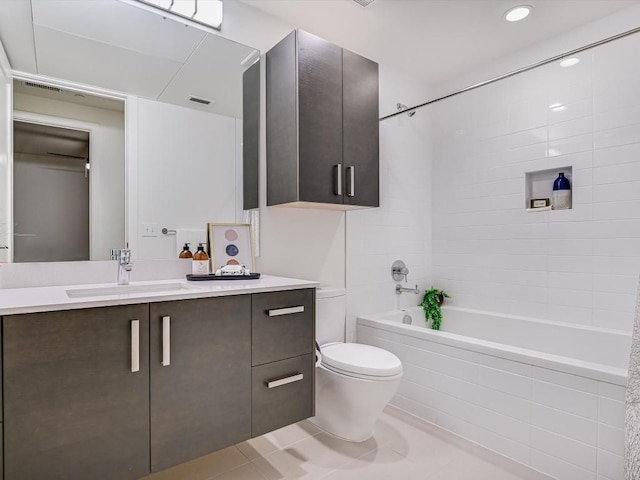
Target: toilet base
348,407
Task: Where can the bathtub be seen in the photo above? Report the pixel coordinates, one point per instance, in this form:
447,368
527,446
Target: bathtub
546,394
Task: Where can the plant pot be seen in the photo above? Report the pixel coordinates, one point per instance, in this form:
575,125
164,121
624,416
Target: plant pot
440,299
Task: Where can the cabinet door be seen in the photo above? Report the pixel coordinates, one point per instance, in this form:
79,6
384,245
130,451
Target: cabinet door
201,384
360,130
319,118
73,407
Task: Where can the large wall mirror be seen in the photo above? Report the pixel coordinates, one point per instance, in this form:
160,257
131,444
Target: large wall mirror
128,129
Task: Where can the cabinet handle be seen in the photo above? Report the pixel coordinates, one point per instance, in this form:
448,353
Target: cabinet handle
337,179
285,311
351,181
166,341
135,345
278,382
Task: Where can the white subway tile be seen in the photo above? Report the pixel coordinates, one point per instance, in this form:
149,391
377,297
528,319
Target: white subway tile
565,424
565,380
572,110
567,280
565,399
570,298
616,155
617,118
619,173
572,128
616,192
611,466
572,451
611,412
609,390
611,439
617,136
551,465
565,146
502,381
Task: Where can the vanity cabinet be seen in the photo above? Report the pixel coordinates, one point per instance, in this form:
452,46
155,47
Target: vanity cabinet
322,125
200,377
73,405
283,359
121,391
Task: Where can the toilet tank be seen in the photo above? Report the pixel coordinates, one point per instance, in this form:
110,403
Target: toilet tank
331,314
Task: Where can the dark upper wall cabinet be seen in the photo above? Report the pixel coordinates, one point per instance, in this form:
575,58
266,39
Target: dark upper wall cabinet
322,125
250,136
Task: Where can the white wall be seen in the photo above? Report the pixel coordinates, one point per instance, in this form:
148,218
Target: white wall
107,146
182,153
578,265
401,228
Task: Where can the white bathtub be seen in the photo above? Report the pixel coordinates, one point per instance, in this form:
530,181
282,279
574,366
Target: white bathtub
549,395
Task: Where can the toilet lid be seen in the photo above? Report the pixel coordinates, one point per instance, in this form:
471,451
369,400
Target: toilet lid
361,359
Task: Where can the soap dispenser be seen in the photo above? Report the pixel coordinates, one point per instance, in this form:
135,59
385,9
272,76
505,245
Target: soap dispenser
185,253
561,193
200,264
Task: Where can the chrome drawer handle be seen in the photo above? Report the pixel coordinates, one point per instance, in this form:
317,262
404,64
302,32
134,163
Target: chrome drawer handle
351,185
166,341
135,345
284,381
337,178
285,311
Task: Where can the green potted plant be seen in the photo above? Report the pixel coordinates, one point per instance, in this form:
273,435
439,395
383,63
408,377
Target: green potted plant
431,302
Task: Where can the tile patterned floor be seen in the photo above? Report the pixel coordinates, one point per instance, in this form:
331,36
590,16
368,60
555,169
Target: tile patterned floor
403,448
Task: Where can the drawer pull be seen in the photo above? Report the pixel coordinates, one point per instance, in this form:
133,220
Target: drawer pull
135,345
285,311
284,381
166,341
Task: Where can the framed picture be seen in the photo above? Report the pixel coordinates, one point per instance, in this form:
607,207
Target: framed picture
230,244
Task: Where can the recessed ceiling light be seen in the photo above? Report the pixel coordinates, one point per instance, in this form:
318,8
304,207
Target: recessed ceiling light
557,107
517,13
569,62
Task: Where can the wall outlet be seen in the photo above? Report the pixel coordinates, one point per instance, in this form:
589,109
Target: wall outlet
150,230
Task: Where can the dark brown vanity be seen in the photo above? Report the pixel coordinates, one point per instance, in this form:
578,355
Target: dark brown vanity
122,391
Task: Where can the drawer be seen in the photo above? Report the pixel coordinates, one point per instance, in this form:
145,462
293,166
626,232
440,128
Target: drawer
282,325
282,393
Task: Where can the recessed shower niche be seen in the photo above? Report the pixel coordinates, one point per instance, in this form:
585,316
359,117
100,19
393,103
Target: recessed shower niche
539,186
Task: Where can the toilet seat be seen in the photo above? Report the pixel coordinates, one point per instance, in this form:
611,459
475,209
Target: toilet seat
361,361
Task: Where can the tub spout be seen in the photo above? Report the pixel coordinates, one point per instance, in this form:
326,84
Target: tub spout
400,289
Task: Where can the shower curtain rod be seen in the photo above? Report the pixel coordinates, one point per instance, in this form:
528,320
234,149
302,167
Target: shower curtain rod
516,72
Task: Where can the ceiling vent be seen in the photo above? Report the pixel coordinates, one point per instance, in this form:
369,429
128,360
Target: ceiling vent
202,101
44,87
364,3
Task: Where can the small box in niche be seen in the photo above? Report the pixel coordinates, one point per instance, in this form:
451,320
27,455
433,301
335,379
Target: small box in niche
539,202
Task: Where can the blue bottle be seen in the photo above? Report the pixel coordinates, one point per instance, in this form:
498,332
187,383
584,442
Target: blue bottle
561,193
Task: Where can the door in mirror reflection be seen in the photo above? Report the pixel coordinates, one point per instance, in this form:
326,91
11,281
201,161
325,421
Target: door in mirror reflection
51,193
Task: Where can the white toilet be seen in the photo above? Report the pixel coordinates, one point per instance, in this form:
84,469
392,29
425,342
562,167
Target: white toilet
354,381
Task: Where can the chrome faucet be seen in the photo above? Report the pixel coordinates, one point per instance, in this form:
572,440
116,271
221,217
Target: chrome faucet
400,289
123,256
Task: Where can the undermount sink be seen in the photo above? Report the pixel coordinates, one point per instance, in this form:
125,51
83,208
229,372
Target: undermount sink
127,289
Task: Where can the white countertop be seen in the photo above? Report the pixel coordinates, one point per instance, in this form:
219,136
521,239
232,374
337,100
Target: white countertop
45,299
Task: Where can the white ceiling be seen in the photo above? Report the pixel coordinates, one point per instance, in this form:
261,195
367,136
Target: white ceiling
117,46
437,40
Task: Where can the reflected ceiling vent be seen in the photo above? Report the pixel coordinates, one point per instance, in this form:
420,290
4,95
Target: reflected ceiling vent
364,3
202,101
44,87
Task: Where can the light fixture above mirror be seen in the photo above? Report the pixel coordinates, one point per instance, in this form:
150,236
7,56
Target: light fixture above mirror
207,13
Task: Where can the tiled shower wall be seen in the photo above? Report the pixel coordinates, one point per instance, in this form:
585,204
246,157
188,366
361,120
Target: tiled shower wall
401,228
579,265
